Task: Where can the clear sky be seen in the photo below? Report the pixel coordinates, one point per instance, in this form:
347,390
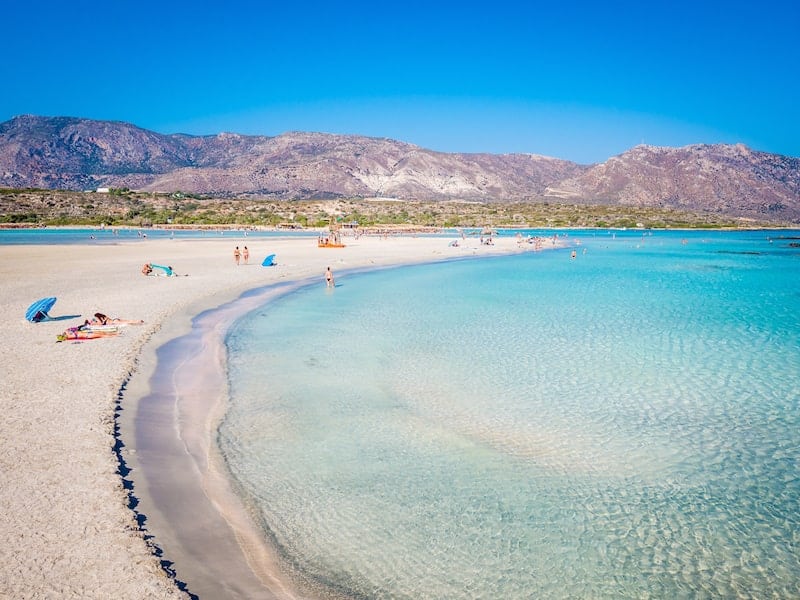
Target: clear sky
576,80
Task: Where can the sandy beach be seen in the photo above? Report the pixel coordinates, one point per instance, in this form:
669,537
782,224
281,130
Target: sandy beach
66,526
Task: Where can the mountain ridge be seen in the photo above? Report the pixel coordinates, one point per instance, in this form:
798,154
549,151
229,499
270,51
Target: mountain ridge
77,154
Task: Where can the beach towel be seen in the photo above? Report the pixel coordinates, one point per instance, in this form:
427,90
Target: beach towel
167,270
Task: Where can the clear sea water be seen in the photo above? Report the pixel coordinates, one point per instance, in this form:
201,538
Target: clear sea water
625,424
109,235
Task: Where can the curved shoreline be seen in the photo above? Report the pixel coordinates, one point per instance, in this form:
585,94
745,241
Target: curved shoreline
68,529
174,414
172,444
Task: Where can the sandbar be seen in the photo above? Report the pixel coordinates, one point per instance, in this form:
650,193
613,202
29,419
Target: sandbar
70,410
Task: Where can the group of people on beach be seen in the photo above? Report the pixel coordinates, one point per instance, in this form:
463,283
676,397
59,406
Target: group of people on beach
244,254
99,326
239,255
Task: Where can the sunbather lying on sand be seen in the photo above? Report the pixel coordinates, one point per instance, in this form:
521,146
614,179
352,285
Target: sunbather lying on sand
164,270
77,333
101,319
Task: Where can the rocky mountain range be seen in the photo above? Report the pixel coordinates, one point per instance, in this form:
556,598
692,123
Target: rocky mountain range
82,154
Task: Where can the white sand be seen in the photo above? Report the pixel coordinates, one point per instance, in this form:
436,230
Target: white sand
65,527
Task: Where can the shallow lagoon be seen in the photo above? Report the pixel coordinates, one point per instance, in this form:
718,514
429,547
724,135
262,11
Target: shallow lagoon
621,424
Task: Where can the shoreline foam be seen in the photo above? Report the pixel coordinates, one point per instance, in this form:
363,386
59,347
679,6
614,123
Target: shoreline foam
67,527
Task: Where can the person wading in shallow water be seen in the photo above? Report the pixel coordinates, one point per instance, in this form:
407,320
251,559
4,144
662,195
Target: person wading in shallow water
329,277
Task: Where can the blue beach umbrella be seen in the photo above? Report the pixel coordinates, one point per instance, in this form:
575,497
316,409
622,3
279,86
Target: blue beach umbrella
269,261
38,310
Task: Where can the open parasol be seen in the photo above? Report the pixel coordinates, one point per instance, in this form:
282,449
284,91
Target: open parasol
38,310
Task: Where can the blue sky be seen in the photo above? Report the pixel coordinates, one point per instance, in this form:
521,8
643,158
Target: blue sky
581,81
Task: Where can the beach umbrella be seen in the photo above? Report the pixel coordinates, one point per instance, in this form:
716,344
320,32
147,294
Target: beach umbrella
269,261
38,310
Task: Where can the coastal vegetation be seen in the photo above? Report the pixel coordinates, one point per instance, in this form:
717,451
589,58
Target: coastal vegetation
123,207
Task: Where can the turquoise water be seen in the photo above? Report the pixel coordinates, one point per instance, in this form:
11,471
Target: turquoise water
621,424
114,235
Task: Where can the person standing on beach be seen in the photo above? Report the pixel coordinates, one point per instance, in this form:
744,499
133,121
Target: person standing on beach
236,255
246,255
329,277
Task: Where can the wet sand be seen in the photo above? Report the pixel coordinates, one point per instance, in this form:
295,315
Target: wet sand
184,485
